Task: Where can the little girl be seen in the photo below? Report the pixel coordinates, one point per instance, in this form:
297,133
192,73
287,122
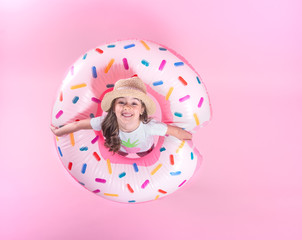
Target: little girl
126,128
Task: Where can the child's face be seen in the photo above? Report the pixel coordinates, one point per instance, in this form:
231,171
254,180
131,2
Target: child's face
128,110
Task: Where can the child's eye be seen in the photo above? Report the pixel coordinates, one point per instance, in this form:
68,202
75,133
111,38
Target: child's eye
134,103
121,102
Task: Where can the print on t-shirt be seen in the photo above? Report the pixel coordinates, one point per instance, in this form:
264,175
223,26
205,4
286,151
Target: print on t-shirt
131,147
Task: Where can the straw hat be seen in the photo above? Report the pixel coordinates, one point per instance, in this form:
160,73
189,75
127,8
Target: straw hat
129,87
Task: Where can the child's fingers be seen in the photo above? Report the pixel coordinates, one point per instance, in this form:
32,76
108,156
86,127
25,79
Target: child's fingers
53,129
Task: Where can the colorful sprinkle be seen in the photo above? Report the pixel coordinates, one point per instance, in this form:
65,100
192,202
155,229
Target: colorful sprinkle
93,141
162,49
130,188
109,166
196,119
162,191
169,93
78,86
158,83
162,65
184,98
145,45
96,100
111,46
192,155
177,114
121,175
70,166
171,159
96,155
109,85
111,195
157,197
182,81
198,80
57,138
85,55
131,201
200,102
125,62
177,64
100,180
75,99
162,149
96,191
180,146
61,96
146,63
83,148
81,183
91,115
59,149
175,173
84,167
99,50
71,136
59,114
156,169
182,183
129,46
94,73
144,185
109,65
135,167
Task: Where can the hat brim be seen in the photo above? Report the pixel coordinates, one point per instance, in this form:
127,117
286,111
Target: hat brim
110,96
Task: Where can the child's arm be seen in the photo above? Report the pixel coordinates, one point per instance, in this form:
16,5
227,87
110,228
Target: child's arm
179,133
71,127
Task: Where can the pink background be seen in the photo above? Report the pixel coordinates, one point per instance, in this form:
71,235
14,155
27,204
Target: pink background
249,56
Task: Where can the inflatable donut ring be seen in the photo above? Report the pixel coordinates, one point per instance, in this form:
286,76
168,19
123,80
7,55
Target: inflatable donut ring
181,100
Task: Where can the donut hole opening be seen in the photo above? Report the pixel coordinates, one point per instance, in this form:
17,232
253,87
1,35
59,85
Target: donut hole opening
157,116
162,114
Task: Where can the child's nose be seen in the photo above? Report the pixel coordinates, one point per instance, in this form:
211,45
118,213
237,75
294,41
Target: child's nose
127,106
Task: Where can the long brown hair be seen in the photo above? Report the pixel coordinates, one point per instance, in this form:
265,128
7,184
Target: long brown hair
110,127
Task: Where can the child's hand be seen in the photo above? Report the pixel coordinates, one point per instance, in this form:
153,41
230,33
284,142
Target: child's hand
54,129
71,127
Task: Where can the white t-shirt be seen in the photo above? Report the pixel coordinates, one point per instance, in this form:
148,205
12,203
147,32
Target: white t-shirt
139,140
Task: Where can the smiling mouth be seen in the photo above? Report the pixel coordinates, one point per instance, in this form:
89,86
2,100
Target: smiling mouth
127,114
